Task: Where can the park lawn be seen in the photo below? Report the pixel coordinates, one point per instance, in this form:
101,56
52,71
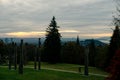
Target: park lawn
44,74
70,67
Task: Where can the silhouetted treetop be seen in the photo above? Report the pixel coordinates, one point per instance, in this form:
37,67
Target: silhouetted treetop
52,44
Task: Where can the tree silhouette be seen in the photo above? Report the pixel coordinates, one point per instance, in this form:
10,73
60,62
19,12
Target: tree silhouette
52,44
114,68
115,39
92,53
3,52
78,41
72,53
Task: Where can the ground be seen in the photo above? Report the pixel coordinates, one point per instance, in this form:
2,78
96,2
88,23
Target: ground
52,72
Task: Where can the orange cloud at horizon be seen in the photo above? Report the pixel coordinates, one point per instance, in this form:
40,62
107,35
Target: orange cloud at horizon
97,35
25,34
64,33
35,33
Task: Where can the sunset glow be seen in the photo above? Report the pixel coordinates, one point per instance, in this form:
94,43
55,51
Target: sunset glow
26,34
97,35
41,34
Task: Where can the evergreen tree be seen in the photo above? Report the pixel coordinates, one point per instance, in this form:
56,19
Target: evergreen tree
114,68
72,53
115,39
52,44
78,41
114,42
3,52
92,53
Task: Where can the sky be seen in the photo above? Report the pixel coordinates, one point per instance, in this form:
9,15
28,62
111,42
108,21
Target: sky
30,18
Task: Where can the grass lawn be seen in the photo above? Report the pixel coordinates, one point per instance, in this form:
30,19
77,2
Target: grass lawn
70,67
31,74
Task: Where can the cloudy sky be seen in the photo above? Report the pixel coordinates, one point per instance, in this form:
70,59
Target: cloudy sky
30,18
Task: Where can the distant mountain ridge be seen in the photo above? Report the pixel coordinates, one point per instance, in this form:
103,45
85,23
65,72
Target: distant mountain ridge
63,40
88,41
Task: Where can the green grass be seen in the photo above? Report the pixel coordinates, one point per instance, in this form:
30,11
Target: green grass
70,67
31,74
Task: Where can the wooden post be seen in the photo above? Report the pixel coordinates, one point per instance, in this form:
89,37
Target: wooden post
86,61
10,55
25,55
9,64
79,69
35,58
21,59
39,60
15,56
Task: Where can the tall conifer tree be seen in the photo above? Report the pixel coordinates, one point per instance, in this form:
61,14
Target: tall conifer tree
78,41
92,53
52,44
114,64
114,45
115,39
